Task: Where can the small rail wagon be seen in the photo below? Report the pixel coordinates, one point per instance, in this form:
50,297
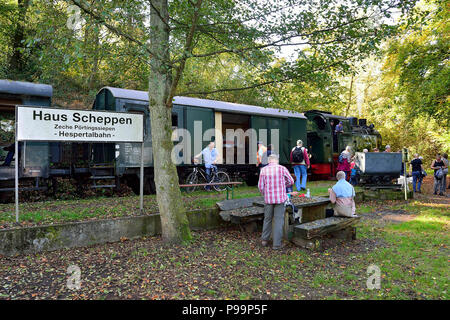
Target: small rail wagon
34,160
378,168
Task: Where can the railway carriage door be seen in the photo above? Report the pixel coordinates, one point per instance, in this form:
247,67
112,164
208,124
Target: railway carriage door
206,118
177,123
297,131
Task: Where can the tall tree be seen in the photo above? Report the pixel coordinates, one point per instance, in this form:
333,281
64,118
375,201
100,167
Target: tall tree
174,222
329,35
16,61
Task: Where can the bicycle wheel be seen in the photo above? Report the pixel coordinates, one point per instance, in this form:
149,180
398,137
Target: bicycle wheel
191,179
220,177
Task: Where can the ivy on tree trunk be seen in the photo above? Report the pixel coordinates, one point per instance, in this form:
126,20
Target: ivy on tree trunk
174,223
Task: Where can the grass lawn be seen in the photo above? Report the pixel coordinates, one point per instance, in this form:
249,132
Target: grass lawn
47,212
408,241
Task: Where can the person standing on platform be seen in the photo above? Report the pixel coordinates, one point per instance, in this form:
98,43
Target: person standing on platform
344,161
210,157
273,180
300,162
416,172
260,155
436,165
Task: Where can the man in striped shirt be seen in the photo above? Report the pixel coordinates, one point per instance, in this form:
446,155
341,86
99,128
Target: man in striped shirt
273,181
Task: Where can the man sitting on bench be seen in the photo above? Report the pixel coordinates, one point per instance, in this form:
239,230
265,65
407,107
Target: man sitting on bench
342,196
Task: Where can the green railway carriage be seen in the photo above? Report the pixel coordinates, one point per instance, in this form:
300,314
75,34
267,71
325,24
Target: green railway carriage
280,128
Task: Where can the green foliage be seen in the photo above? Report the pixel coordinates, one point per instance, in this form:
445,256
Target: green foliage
234,47
420,62
6,127
405,94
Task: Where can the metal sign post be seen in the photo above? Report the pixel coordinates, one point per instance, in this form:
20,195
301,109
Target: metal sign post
16,171
65,125
141,182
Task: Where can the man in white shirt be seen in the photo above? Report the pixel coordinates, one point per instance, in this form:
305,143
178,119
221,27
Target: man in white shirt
210,157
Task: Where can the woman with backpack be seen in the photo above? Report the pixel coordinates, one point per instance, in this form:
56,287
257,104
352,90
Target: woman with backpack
300,162
438,166
344,161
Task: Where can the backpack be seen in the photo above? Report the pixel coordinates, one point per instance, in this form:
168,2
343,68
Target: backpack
297,155
439,174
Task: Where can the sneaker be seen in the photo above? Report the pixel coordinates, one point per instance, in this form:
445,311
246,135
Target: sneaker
441,194
264,243
279,247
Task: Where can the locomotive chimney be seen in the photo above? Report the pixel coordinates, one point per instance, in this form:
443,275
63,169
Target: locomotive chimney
353,121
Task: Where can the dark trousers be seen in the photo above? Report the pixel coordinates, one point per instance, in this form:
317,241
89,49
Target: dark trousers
9,158
208,175
354,180
417,180
275,213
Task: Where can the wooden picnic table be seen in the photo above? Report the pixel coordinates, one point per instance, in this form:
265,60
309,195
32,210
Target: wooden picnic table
312,208
308,233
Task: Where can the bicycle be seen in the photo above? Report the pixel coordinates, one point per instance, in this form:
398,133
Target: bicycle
198,176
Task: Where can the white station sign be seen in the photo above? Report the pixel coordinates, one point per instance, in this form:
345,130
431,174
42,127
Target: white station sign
45,124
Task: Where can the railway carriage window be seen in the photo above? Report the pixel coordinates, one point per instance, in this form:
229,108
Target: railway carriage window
174,120
320,122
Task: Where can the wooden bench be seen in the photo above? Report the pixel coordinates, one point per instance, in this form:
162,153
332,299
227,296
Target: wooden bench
241,212
229,186
309,235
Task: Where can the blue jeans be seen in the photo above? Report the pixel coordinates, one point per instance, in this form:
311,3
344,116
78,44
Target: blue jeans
300,171
354,180
417,178
208,175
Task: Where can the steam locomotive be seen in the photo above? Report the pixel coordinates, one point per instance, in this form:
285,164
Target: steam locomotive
115,164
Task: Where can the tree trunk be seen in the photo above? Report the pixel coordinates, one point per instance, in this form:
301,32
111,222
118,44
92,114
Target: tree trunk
349,103
174,223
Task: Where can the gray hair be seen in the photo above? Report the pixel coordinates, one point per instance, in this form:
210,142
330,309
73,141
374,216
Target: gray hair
273,157
348,148
299,142
340,175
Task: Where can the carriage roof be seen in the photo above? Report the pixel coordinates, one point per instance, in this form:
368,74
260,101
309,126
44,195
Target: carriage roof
206,103
26,88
